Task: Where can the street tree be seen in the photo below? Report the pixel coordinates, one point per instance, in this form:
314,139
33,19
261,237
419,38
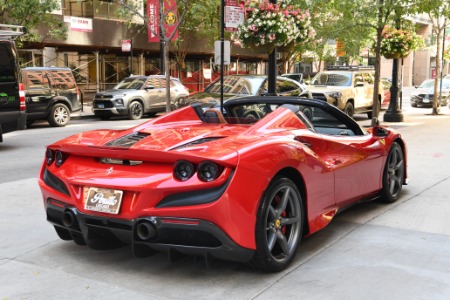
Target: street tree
200,25
33,14
375,15
439,12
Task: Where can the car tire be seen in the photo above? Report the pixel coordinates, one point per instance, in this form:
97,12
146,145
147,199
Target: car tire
413,104
393,174
279,226
349,109
59,115
135,110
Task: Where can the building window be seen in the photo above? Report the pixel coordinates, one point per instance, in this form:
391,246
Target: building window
107,9
77,8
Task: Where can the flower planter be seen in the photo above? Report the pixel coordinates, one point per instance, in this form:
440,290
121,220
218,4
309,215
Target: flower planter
395,55
270,25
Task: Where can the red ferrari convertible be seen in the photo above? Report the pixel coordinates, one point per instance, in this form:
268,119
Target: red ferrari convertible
245,185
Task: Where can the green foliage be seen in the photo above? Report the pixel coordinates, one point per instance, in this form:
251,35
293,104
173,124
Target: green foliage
31,14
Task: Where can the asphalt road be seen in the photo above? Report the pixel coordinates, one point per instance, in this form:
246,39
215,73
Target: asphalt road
371,251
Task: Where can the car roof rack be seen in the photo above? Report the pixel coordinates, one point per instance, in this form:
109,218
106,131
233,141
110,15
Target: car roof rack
11,32
350,68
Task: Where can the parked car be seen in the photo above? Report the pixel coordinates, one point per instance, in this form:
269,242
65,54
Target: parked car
349,88
424,94
198,183
51,94
138,95
237,86
12,97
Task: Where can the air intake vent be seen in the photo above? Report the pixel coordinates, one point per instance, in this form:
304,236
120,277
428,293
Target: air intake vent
128,140
198,142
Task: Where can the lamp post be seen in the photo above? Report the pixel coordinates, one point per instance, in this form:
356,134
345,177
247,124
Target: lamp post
272,68
394,113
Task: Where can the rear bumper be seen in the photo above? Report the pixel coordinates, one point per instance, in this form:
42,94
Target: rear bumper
146,235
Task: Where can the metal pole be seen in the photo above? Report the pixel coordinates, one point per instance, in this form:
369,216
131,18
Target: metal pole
222,50
394,113
272,69
442,62
97,69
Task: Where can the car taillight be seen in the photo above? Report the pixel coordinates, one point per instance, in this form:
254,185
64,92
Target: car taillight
206,171
184,170
57,157
22,97
209,171
78,93
49,156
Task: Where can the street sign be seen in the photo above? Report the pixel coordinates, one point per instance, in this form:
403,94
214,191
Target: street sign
226,52
126,45
234,15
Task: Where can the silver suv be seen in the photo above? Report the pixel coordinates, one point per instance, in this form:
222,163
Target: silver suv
137,95
349,88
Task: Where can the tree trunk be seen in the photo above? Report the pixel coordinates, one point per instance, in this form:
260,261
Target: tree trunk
167,70
436,100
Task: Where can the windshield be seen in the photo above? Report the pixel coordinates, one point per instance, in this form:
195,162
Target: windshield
335,79
238,85
430,84
130,84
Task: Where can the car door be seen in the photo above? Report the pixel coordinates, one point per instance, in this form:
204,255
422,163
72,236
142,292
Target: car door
154,94
360,89
64,84
354,156
38,93
9,89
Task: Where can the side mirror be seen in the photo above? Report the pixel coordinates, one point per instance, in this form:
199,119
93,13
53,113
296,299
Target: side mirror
380,132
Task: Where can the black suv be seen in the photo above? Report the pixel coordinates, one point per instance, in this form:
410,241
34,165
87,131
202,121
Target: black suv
12,100
51,94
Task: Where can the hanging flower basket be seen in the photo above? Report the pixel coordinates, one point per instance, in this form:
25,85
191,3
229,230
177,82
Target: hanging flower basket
395,55
269,25
397,43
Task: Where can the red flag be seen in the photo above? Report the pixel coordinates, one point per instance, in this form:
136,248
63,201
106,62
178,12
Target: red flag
170,19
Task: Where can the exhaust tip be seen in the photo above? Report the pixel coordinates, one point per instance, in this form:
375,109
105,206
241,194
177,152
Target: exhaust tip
145,231
68,218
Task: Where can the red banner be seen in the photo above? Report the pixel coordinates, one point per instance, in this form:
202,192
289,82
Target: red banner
153,21
170,19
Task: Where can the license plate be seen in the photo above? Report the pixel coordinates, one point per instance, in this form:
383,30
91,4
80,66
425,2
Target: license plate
101,105
103,200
